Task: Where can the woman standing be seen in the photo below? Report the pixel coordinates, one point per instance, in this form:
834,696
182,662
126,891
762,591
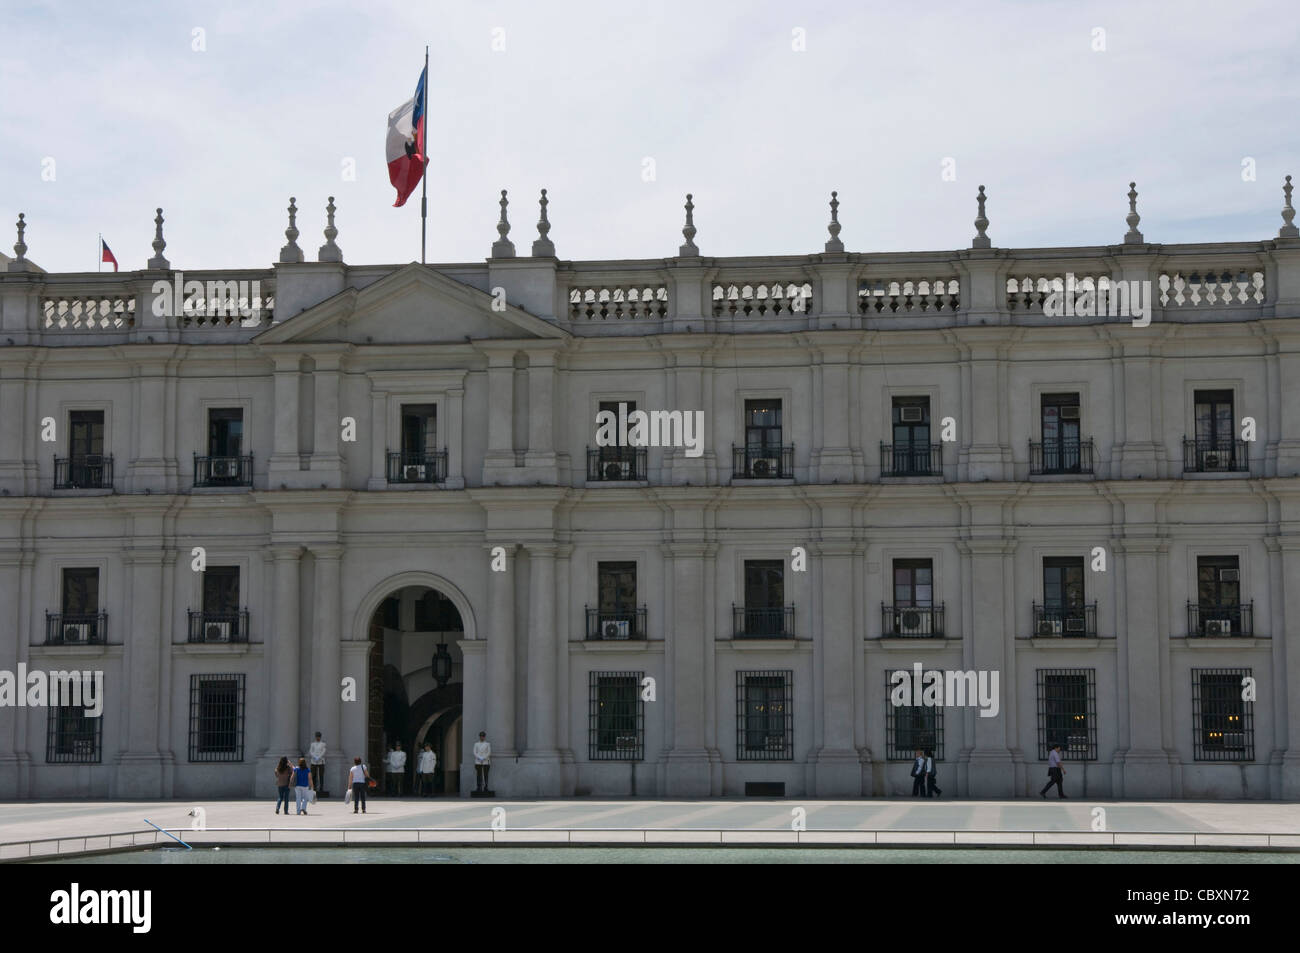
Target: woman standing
358,776
303,784
283,778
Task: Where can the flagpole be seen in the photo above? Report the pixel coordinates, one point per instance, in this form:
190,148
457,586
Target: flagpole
100,256
424,173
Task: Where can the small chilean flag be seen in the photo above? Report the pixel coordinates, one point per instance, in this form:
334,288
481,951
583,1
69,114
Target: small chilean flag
405,146
107,254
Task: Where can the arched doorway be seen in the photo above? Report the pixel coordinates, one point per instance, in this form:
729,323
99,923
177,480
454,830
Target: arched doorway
415,685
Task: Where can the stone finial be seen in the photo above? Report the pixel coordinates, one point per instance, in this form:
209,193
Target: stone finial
689,250
291,253
503,247
981,240
1132,236
543,247
1288,230
20,263
834,245
158,261
330,251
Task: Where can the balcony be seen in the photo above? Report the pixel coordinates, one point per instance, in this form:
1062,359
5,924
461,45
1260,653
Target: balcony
616,464
776,622
420,466
1225,620
1078,622
911,459
82,628
91,471
1215,456
218,626
621,625
1057,457
762,463
223,471
911,622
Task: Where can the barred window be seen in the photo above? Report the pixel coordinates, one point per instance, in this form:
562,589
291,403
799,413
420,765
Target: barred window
616,722
1223,723
73,736
216,717
1067,713
909,728
764,716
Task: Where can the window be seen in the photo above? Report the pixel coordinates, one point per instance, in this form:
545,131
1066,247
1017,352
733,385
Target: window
1214,416
225,432
765,613
909,728
1067,713
1218,582
1063,583
617,585
764,719
73,737
216,718
912,422
913,583
80,593
220,590
616,721
419,429
763,428
1061,436
1223,725
85,433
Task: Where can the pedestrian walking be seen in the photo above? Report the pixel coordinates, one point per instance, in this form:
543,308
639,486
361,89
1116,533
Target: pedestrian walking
316,752
1054,773
918,775
931,788
482,761
358,776
302,784
424,768
283,778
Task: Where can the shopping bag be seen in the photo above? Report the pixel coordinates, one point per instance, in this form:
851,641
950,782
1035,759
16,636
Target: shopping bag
311,797
347,796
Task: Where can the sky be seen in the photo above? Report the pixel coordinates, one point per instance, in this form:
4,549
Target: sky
218,112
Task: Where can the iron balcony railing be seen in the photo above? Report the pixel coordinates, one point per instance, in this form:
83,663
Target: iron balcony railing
1078,622
775,622
762,463
616,464
1060,456
218,626
223,471
422,466
80,628
1215,456
91,471
911,459
618,625
1220,621
911,622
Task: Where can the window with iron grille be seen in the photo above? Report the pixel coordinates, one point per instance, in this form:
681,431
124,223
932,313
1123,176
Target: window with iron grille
216,717
911,728
73,736
616,721
1223,724
764,716
1067,713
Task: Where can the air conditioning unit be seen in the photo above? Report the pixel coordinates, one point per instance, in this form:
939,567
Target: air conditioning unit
1075,624
1048,627
223,467
76,632
616,629
615,470
1211,461
911,415
414,473
766,467
1229,575
1218,627
908,621
216,632
1069,413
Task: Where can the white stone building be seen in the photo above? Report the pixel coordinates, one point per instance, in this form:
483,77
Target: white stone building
905,460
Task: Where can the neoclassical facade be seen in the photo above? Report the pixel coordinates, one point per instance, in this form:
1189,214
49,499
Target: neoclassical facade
371,502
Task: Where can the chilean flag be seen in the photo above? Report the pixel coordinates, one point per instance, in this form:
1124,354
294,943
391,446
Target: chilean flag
107,254
405,146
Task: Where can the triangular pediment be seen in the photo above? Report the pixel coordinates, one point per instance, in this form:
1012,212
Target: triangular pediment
413,305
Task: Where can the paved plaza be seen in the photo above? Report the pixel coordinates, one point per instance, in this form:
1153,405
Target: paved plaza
72,827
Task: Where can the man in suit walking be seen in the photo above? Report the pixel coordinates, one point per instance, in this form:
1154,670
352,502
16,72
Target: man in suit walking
1054,773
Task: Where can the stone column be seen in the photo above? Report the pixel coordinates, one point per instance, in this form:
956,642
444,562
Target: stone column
499,695
326,463
1286,660
284,457
148,466
15,467
837,766
326,649
285,674
140,767
540,458
991,769
500,454
687,762
540,771
11,561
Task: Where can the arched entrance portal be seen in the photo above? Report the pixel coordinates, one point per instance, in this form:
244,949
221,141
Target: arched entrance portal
413,634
